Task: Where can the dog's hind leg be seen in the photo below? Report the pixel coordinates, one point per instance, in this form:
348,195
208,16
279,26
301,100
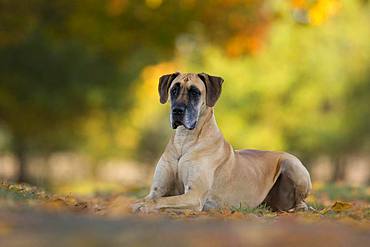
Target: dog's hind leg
291,187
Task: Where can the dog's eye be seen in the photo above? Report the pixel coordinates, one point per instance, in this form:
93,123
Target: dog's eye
194,92
174,91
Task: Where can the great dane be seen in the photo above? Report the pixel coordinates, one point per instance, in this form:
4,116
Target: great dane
199,170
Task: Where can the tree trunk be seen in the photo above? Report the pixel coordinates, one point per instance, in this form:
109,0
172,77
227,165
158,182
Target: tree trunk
20,153
339,169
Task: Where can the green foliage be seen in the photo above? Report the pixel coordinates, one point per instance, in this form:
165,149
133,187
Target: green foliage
261,210
343,192
46,88
303,92
64,63
72,74
19,192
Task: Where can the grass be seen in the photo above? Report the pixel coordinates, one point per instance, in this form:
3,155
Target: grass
262,209
321,199
17,192
343,192
22,207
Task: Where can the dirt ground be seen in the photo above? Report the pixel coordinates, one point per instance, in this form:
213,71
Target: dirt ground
31,217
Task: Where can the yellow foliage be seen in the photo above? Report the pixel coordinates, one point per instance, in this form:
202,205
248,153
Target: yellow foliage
242,43
146,92
147,108
153,3
318,11
322,10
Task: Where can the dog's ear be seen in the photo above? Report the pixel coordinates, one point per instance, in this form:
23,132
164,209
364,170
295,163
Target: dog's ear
164,85
213,88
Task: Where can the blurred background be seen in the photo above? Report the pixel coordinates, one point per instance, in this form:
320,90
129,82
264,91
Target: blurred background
79,108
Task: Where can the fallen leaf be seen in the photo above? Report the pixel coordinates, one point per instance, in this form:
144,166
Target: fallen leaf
339,206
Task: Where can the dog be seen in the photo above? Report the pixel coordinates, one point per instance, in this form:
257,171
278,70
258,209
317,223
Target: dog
199,170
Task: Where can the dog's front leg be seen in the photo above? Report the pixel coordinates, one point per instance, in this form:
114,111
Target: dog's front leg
163,180
196,189
191,200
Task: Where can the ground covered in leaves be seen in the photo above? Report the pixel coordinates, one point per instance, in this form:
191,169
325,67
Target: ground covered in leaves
30,216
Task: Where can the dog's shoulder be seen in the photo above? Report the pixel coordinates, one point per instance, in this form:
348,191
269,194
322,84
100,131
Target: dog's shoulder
259,153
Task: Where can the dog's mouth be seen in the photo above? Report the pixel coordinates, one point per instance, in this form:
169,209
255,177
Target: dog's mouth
178,123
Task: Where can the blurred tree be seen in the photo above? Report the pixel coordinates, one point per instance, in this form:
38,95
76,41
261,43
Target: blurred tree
298,93
83,74
64,62
46,90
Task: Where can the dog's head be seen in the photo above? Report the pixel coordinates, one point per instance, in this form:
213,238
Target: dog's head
189,94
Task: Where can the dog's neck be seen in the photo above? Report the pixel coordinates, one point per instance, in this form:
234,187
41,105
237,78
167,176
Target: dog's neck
206,127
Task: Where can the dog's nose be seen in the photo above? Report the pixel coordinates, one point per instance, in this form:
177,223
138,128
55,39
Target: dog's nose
178,111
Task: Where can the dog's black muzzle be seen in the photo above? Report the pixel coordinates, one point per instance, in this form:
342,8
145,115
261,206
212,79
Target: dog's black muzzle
178,113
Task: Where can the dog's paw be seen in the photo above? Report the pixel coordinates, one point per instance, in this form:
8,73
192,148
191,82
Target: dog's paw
136,207
300,207
144,208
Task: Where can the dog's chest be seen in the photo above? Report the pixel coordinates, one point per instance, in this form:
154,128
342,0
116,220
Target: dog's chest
185,174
